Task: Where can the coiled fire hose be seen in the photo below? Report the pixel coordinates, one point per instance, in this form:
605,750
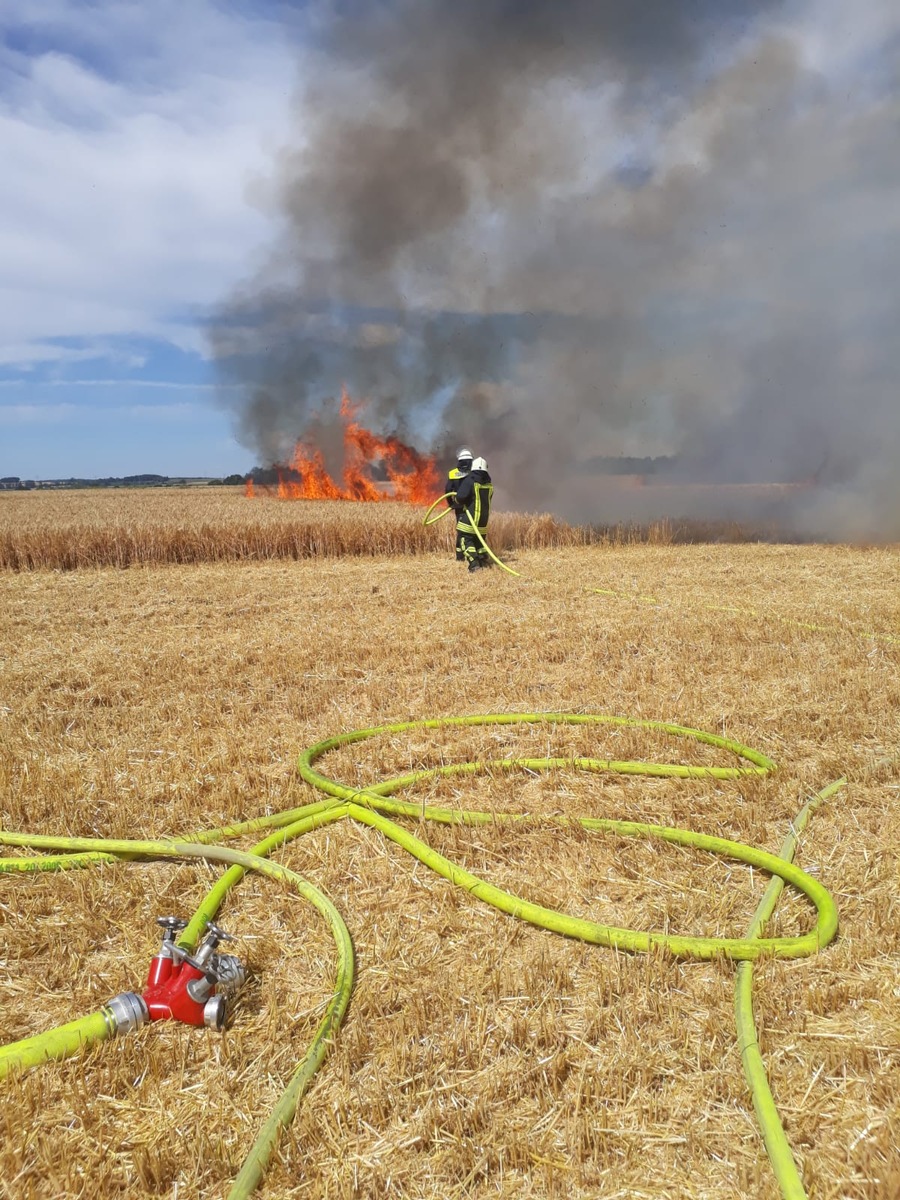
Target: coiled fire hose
374,806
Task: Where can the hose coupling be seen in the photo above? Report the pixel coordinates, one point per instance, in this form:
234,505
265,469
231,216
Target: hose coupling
230,973
215,1010
129,1011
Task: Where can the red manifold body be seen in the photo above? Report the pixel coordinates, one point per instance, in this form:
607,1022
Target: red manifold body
168,994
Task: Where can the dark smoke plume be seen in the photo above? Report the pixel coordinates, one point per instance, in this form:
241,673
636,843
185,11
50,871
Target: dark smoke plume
565,230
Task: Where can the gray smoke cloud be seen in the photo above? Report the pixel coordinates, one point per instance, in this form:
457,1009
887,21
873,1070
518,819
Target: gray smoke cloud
568,230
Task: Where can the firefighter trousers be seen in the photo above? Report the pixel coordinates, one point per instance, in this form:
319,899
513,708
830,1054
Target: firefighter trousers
472,549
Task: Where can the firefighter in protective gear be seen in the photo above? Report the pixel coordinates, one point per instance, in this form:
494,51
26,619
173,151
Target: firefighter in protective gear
473,508
460,471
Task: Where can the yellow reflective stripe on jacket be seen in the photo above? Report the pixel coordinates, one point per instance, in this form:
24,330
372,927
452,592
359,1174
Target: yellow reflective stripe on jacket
475,510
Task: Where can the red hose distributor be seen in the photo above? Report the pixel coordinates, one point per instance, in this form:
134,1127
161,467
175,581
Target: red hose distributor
194,989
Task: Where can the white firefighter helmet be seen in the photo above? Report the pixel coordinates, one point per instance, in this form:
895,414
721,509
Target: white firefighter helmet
480,464
463,454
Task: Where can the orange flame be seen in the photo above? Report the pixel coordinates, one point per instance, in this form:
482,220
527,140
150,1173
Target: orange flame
412,476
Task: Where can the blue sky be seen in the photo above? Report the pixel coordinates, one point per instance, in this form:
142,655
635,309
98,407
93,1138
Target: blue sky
137,142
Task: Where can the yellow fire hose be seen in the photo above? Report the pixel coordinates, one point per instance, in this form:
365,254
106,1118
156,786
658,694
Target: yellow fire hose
428,519
370,805
737,611
777,1145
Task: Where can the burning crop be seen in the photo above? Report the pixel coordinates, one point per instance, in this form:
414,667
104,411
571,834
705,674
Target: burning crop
408,474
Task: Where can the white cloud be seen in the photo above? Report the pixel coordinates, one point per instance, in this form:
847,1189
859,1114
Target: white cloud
127,163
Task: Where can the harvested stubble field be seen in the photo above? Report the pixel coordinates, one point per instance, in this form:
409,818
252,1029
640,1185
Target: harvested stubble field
480,1057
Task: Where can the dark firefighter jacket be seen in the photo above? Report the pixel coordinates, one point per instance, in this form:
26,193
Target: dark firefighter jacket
473,494
454,475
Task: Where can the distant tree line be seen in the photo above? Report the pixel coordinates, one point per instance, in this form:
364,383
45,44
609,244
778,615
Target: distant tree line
599,465
14,483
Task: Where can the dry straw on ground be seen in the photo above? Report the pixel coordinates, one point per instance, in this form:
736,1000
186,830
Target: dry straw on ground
480,1057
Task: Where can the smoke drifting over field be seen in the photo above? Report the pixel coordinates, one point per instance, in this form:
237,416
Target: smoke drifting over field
559,231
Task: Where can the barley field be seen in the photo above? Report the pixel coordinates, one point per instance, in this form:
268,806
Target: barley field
480,1056
68,530
122,528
